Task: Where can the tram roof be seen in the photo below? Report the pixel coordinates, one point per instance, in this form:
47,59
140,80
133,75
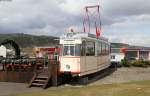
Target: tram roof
77,35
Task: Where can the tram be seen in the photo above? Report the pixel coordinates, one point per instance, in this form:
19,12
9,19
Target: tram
82,53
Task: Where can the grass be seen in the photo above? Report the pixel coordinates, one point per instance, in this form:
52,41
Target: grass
134,88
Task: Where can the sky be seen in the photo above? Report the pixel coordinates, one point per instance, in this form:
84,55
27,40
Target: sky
123,21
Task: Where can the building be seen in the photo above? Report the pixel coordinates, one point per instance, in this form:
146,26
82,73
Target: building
130,53
47,52
3,51
137,53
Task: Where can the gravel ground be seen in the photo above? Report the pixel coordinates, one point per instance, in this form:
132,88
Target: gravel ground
125,75
118,76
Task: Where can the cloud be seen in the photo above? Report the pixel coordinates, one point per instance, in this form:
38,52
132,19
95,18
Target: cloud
139,39
76,7
120,18
126,8
133,31
32,16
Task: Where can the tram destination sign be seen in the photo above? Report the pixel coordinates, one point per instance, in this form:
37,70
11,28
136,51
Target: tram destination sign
70,41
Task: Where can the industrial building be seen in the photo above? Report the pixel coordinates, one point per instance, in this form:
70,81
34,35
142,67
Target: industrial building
138,53
130,53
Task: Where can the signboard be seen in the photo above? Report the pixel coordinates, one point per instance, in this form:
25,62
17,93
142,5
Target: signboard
64,41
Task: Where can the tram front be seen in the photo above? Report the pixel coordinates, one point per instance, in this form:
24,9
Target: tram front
70,57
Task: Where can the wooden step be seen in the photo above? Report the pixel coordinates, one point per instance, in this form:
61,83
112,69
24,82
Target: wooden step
43,74
33,78
42,77
45,77
37,84
38,80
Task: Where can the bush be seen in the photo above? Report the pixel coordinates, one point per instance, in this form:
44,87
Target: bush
136,63
140,63
147,63
125,63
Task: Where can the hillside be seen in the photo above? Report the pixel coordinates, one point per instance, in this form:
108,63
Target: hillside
25,40
123,45
119,45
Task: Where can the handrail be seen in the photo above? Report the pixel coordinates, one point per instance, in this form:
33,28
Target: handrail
24,63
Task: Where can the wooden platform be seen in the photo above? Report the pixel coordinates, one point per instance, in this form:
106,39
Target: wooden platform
18,77
37,73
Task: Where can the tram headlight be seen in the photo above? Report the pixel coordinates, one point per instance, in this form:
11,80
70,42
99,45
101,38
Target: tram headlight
67,66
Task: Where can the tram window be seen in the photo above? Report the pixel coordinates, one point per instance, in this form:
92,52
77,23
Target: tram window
83,47
103,48
90,48
107,49
68,50
99,48
72,50
77,50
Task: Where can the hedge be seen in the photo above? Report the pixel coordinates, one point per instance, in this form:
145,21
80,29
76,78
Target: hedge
136,63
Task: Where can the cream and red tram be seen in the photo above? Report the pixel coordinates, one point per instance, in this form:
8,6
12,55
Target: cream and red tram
83,54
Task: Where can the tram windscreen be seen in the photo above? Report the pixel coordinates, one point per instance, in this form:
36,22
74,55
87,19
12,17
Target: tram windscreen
71,50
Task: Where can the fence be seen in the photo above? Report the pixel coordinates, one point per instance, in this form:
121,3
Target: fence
21,70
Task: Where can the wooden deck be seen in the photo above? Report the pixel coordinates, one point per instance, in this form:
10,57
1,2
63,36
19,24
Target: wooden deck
37,74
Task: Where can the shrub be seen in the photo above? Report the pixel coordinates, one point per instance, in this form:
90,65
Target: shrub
140,63
125,63
136,63
147,63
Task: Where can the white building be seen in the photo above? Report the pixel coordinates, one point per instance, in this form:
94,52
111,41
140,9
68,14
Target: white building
3,51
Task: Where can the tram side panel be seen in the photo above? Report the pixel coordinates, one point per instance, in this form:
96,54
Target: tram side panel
103,55
91,65
82,66
104,62
89,60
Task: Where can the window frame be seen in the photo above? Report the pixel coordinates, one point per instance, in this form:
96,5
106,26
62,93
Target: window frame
87,53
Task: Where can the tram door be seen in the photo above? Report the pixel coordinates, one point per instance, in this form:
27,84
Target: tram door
83,56
98,49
